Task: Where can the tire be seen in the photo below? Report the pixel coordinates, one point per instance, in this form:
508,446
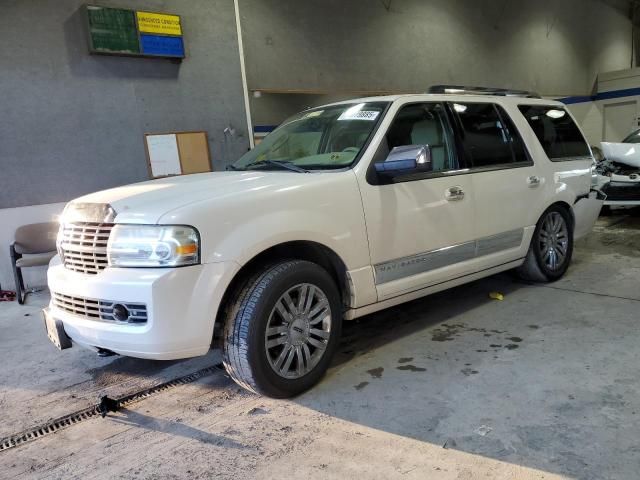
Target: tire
309,334
552,238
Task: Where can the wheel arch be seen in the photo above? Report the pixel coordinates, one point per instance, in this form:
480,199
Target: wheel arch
565,206
308,250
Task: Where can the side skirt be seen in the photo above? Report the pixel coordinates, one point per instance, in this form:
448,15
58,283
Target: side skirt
438,287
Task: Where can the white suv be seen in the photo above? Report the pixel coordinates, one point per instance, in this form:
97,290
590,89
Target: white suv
343,210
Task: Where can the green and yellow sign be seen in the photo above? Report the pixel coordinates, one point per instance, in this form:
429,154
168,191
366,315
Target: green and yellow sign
120,31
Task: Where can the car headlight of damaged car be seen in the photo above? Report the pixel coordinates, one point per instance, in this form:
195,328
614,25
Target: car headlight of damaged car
153,246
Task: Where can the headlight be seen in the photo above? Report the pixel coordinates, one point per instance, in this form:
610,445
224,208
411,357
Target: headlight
153,246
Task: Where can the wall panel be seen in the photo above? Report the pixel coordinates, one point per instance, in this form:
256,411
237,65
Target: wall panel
73,123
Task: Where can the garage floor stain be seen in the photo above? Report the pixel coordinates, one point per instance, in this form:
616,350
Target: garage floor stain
411,368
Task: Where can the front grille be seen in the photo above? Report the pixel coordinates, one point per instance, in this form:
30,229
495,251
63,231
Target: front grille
83,246
99,309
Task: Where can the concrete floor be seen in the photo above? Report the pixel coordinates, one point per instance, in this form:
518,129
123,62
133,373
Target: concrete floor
544,384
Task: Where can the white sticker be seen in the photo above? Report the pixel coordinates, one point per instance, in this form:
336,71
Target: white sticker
369,115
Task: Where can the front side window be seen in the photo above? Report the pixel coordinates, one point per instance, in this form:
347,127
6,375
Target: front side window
424,124
559,136
319,139
489,136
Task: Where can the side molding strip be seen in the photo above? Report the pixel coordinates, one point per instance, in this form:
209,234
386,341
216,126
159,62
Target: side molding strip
443,257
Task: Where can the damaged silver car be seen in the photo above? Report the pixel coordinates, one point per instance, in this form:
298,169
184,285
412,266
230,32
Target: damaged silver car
619,171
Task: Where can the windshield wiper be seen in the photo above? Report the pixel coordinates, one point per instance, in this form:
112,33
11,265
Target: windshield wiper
233,167
277,163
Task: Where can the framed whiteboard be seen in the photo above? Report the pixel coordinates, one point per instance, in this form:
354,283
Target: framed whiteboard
177,153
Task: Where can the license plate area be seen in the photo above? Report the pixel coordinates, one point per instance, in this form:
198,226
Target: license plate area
55,331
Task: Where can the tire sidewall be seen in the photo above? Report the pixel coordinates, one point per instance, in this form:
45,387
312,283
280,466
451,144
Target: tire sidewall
265,377
553,275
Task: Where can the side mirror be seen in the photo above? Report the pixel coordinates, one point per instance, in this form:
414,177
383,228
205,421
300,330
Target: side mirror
405,160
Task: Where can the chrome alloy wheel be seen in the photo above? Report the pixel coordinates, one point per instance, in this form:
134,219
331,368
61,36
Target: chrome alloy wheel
298,331
554,240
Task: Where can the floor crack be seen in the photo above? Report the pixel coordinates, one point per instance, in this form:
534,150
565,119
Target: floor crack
588,293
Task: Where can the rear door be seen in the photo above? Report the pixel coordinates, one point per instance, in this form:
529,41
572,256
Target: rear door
569,169
506,182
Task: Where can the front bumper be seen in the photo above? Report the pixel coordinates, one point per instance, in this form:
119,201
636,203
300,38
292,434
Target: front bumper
181,308
622,192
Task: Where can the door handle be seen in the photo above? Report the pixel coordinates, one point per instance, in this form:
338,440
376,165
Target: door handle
454,193
533,181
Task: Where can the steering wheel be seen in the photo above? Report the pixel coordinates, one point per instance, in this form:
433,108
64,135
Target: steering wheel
351,149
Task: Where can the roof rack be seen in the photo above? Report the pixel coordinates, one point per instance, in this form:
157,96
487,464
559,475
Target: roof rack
461,90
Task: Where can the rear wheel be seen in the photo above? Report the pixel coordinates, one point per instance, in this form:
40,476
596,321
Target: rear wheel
551,247
282,329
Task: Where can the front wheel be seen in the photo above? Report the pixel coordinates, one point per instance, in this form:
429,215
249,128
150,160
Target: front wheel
551,247
282,329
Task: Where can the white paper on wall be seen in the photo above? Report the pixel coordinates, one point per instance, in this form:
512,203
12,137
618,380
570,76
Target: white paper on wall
163,155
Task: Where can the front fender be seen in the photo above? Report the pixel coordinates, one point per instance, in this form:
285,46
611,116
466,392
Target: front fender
323,208
249,239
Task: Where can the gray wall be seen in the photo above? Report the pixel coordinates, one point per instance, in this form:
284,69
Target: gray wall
273,108
550,46
73,123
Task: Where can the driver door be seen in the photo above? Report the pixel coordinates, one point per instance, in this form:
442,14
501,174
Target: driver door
421,228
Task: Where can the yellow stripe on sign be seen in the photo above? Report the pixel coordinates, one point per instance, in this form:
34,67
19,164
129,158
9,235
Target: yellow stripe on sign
159,23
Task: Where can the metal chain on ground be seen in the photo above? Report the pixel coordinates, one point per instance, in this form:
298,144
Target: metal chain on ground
78,416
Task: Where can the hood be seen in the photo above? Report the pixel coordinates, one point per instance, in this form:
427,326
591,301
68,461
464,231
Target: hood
146,202
627,153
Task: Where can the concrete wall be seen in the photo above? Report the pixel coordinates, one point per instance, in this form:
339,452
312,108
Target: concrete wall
553,47
73,123
273,108
627,80
624,88
589,117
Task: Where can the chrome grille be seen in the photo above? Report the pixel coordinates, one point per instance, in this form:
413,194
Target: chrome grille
83,246
99,309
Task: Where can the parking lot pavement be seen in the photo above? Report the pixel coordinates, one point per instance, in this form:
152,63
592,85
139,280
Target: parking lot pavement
543,384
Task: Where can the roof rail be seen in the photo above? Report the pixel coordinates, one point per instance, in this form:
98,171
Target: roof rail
461,90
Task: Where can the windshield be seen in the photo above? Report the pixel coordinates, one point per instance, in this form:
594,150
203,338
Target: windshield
318,139
633,137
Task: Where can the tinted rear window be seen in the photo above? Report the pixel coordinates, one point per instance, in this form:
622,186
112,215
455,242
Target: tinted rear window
490,139
556,131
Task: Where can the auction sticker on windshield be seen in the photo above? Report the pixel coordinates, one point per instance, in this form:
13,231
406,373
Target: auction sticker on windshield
369,115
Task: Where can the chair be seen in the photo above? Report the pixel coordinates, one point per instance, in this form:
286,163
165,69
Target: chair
34,245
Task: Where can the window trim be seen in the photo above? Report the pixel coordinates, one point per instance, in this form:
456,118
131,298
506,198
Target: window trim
572,158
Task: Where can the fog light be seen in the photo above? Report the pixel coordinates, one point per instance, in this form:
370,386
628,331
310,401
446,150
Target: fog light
120,312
